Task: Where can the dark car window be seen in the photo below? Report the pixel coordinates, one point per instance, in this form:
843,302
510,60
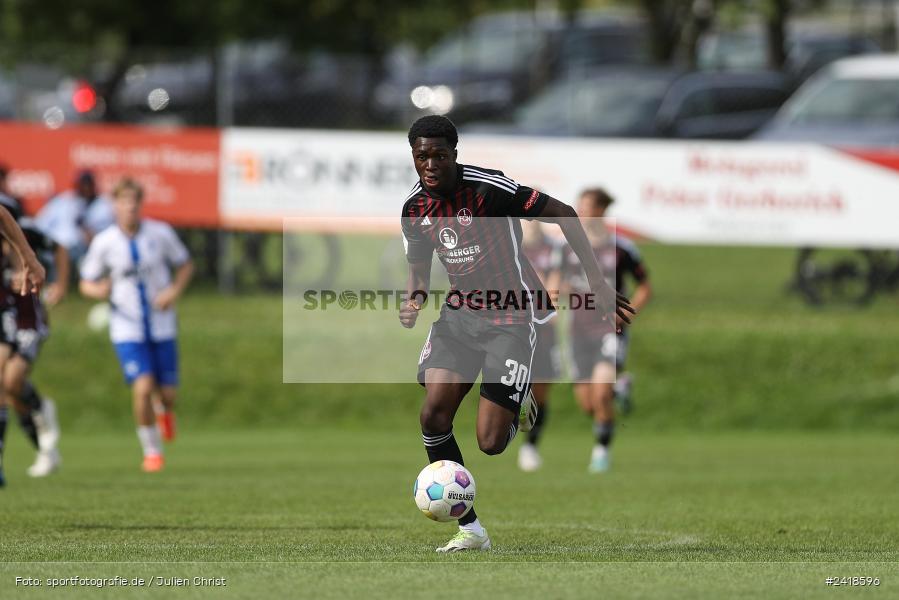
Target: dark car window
721,100
584,46
849,101
608,104
483,50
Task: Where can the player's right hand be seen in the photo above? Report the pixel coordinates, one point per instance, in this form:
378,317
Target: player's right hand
409,313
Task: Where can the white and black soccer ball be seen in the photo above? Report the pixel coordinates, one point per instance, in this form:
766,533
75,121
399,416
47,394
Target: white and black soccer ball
444,491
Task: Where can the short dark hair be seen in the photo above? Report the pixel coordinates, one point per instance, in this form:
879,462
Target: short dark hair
434,126
599,196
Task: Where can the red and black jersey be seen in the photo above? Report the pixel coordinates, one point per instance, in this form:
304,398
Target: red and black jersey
476,233
621,258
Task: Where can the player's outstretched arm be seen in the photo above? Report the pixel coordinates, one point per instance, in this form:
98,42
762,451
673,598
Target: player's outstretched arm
95,290
566,218
417,287
32,273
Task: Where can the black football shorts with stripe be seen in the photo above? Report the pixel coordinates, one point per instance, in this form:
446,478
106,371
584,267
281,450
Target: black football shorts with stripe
469,344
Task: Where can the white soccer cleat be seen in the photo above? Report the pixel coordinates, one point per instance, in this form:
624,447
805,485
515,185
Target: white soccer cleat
47,425
599,460
527,413
529,458
47,461
466,540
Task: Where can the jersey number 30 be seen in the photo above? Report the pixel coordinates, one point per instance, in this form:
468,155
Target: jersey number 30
517,375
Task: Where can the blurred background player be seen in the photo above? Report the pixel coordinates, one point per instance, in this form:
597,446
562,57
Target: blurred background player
25,328
143,268
597,351
73,217
544,253
27,278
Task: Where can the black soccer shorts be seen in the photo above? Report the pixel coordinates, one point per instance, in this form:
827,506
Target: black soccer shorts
589,350
469,344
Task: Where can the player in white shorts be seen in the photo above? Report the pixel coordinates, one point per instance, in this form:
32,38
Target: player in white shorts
142,267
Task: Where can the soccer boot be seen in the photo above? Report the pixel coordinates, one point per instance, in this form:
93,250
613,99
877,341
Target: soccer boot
466,540
599,460
527,413
153,463
529,458
46,462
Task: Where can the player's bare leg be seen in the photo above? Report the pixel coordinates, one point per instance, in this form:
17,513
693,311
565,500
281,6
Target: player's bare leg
5,353
145,419
582,396
37,417
602,397
164,403
444,392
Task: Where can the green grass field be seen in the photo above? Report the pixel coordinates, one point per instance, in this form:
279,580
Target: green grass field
681,515
762,458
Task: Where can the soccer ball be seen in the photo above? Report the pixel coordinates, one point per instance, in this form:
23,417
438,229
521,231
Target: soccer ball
444,491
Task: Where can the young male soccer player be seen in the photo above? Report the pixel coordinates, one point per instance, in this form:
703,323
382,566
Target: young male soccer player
131,263
28,278
25,328
470,217
597,350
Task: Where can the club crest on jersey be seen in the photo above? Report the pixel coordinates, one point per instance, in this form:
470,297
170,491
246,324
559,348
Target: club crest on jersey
464,217
448,238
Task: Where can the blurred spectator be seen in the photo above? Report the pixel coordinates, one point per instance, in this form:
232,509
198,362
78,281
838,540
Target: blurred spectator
75,216
4,188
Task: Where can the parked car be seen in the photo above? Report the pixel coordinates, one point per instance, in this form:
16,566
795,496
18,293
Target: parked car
649,103
854,101
263,84
490,66
807,48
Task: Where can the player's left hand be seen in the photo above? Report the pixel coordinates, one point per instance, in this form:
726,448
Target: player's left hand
32,276
620,307
165,299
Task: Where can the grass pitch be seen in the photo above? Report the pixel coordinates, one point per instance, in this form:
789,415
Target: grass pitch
329,513
761,460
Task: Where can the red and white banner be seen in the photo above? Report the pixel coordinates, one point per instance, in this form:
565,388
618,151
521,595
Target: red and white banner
675,192
178,168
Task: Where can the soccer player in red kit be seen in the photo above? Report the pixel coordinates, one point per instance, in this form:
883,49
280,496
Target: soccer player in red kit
470,216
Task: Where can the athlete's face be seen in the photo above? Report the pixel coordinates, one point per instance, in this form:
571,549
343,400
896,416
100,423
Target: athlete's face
589,208
435,163
127,209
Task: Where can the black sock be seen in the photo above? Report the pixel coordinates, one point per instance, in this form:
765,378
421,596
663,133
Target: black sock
29,428
534,434
3,418
443,446
30,397
604,433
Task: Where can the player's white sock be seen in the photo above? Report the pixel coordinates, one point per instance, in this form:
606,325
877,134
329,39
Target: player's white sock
149,439
599,451
474,527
